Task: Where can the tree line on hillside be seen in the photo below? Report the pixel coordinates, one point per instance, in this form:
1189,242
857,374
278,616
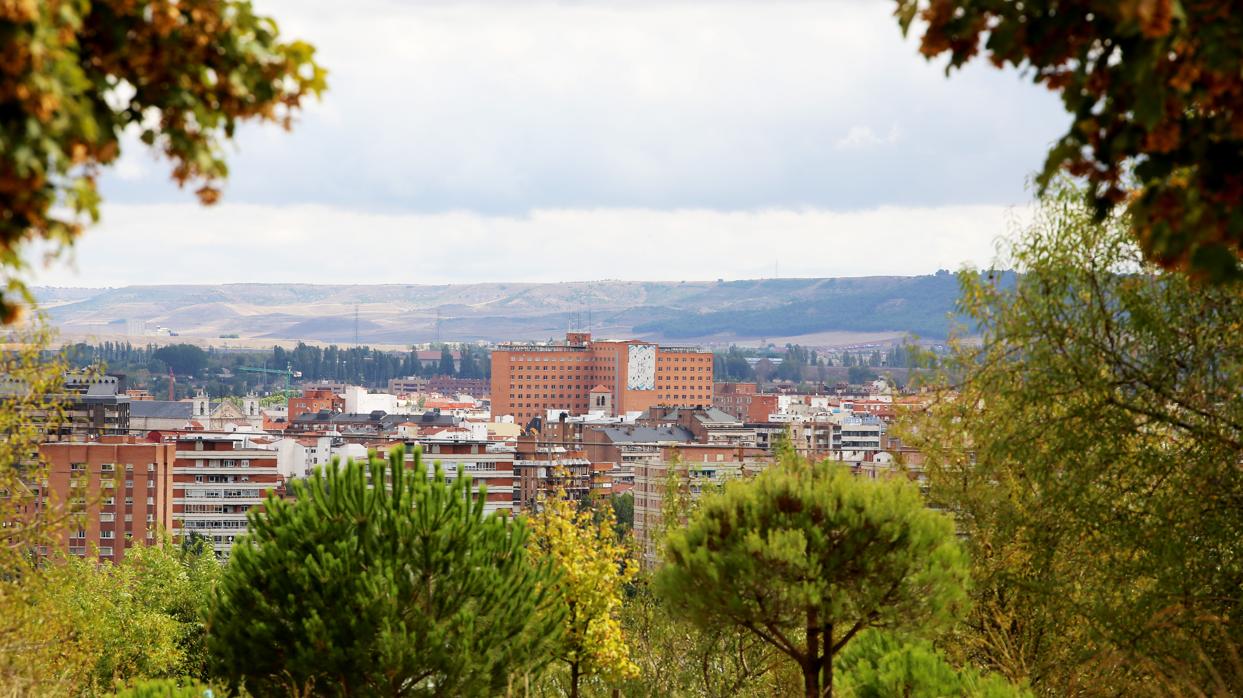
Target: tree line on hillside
147,365
798,364
220,371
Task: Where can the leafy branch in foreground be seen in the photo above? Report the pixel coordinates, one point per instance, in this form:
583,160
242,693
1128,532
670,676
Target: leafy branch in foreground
1153,90
77,77
1089,449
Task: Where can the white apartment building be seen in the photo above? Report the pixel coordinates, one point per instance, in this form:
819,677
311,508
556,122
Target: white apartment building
217,480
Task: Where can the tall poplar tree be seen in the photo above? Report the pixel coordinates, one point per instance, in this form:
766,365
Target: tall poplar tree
594,566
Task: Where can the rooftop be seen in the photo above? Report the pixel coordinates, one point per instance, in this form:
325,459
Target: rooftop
637,434
161,409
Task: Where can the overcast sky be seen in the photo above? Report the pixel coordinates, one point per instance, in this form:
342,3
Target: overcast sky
632,139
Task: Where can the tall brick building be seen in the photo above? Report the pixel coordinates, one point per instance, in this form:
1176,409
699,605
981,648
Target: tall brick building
120,487
581,375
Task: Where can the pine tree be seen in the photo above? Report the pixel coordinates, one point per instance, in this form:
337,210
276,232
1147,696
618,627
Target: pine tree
402,589
806,556
878,665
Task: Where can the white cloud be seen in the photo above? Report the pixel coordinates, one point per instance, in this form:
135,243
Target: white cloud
526,104
865,137
185,244
555,140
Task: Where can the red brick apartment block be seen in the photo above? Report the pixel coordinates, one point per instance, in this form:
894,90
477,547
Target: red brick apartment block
529,379
120,487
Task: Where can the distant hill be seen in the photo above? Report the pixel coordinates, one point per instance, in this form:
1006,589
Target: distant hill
687,311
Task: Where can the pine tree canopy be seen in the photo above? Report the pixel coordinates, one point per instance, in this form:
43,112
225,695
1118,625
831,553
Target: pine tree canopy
807,555
405,589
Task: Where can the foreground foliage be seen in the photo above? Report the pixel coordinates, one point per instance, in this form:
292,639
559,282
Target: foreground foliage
73,626
593,567
879,664
677,657
165,688
30,406
1154,90
806,556
1090,453
376,580
75,76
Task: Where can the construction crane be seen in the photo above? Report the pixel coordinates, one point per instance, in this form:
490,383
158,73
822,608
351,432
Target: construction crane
287,373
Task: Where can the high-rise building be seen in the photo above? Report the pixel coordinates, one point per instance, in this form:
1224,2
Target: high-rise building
549,469
120,490
575,375
216,481
90,405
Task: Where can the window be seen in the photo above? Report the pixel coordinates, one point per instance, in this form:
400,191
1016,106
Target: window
105,551
129,467
107,516
129,501
105,535
107,467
